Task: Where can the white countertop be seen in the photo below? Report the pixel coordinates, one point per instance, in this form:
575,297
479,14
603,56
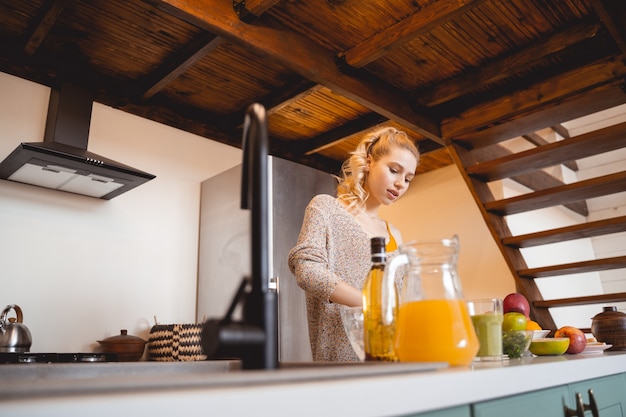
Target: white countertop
357,389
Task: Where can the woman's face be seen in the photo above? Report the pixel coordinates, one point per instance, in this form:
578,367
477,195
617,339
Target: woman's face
389,177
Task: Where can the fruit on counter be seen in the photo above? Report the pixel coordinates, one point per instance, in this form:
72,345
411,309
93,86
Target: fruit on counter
577,339
516,302
513,321
549,346
533,325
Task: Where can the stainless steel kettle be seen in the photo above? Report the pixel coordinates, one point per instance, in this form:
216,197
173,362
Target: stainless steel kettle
14,336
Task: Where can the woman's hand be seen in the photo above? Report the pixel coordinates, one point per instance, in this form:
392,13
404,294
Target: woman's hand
346,295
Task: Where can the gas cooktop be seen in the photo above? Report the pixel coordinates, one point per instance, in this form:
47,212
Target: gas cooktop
29,357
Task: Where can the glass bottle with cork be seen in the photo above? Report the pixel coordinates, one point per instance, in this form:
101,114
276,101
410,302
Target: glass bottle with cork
379,309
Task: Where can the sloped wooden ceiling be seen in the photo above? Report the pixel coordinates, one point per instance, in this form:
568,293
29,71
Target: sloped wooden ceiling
480,71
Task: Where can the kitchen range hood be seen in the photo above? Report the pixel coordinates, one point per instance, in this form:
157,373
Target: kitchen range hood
61,161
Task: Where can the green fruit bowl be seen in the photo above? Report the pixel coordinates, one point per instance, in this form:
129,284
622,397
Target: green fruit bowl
550,346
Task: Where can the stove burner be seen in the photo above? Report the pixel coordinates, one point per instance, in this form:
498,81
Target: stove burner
28,357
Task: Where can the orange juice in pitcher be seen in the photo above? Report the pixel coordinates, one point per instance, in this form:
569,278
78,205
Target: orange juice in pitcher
433,323
435,331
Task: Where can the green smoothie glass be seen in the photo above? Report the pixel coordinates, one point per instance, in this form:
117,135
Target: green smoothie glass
487,318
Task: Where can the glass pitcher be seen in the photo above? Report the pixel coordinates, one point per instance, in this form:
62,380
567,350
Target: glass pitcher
433,324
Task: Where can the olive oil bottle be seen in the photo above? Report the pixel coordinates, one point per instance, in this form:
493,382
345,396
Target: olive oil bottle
379,317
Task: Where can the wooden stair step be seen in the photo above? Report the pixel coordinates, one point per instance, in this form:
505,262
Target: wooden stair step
579,301
594,265
582,190
589,144
579,231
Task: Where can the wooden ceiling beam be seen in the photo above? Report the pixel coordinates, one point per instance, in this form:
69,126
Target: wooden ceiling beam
304,57
178,64
608,12
43,23
581,88
506,67
419,23
321,142
246,9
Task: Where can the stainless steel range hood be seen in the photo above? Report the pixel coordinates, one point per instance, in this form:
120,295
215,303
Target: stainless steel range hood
61,161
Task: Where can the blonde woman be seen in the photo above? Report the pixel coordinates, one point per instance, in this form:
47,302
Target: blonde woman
332,256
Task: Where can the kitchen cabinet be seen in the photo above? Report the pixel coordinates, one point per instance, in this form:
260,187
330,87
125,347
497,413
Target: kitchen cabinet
609,393
544,403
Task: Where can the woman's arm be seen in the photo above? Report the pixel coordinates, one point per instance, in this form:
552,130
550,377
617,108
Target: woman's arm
346,295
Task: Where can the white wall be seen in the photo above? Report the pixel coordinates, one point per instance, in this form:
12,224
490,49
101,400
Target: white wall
81,268
438,205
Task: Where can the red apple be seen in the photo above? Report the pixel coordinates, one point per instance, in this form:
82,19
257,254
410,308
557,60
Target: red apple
577,339
516,302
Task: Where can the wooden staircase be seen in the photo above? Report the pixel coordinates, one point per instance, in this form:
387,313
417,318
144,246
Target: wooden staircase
486,163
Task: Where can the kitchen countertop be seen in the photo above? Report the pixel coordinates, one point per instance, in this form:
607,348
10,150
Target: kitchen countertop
295,389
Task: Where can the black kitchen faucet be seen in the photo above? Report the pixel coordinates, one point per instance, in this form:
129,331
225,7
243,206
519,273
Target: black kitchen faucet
254,339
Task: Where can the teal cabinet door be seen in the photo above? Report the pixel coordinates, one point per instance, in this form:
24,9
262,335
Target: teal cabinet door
545,403
462,411
609,393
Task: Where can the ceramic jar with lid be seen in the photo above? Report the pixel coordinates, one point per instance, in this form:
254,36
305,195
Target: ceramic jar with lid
609,327
127,348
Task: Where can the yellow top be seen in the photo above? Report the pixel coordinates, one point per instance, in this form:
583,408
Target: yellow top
391,245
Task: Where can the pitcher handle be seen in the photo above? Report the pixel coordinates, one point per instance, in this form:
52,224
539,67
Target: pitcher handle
389,292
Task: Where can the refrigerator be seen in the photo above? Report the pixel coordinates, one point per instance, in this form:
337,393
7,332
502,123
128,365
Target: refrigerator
224,246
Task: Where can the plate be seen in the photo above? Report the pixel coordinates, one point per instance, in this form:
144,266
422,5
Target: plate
596,348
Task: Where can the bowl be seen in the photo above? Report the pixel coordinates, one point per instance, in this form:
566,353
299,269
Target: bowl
127,348
540,334
515,343
549,346
352,319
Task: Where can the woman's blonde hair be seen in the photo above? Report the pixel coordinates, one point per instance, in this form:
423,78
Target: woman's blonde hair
354,169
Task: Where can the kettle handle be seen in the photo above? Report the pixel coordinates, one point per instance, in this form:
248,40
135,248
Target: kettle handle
389,299
18,312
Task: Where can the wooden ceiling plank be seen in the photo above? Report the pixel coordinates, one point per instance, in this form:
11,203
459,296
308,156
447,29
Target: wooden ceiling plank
538,97
592,143
506,67
419,23
305,58
178,64
43,23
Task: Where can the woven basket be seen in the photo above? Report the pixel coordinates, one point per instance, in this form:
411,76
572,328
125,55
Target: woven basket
175,342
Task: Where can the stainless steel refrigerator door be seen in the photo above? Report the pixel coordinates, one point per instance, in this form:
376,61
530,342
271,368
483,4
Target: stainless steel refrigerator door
224,246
